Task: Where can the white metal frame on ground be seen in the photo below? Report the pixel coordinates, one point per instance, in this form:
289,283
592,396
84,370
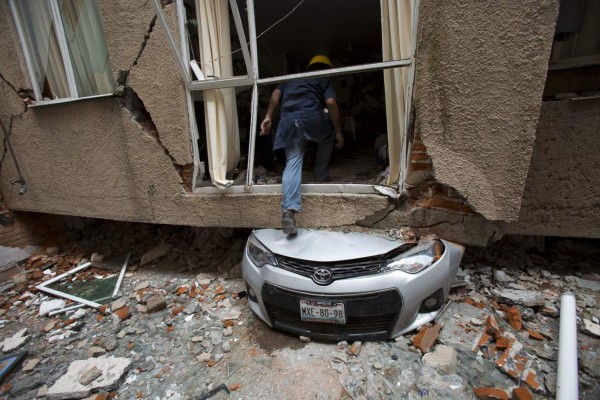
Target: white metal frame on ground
253,79
44,286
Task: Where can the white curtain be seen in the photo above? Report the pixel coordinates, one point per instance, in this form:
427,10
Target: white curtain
396,30
220,110
41,41
87,46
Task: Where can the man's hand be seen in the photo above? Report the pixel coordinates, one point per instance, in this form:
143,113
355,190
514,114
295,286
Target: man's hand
339,140
265,127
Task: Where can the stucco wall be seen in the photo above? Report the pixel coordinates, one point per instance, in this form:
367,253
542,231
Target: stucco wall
90,158
480,73
562,192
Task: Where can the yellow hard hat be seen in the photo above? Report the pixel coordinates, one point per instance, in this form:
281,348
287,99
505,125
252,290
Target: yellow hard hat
320,59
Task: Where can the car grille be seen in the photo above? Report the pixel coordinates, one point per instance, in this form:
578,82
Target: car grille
369,315
339,270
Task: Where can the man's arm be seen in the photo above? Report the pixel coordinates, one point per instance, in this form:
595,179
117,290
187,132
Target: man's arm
265,126
334,116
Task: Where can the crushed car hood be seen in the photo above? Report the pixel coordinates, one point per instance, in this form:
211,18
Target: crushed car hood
325,246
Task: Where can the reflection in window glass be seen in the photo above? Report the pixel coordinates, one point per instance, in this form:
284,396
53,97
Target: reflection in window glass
87,48
39,32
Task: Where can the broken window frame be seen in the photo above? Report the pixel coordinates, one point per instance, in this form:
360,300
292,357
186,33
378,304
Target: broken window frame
251,60
44,286
65,54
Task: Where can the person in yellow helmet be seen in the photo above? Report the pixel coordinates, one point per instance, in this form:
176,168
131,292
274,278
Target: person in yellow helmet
309,112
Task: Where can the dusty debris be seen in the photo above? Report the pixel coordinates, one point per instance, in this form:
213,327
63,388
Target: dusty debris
15,341
443,356
69,386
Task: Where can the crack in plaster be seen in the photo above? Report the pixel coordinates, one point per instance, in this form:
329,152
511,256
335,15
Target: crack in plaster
131,101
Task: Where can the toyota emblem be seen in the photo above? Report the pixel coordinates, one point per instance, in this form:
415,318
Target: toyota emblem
322,276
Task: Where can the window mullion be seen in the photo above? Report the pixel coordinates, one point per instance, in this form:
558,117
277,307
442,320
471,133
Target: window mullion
64,48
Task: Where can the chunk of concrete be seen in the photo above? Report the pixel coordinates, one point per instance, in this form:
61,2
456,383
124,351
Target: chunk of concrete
591,328
69,387
156,253
527,298
443,357
90,375
51,305
15,341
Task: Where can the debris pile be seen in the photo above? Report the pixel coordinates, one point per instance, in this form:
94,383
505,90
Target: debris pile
180,327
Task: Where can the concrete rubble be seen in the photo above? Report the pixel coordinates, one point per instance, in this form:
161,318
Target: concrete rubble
181,326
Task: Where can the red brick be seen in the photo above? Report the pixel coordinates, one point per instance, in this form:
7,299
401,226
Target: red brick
37,274
514,317
427,337
413,166
534,335
503,343
521,393
419,157
488,393
181,290
123,313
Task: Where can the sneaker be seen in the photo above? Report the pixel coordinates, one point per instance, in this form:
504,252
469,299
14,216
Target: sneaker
288,222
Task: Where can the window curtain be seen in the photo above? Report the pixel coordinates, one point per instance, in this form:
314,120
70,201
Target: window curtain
85,36
220,110
396,31
41,41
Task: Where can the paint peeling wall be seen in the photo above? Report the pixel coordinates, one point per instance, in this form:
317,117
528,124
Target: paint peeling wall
91,158
562,191
480,73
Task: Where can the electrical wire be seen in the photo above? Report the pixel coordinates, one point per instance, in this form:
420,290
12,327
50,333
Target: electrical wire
262,33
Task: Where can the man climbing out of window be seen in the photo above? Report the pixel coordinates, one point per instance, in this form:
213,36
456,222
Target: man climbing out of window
309,112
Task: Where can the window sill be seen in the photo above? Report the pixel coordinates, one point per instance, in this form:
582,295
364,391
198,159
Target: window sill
69,100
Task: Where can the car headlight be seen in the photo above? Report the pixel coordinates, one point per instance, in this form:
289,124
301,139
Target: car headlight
418,258
258,253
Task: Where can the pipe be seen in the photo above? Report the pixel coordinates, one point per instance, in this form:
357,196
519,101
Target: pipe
567,382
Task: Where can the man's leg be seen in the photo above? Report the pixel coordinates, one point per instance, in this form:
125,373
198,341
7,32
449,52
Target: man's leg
324,150
291,181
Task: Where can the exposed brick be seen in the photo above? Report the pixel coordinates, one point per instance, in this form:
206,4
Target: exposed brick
489,393
514,317
418,147
521,393
123,313
534,335
419,157
427,337
503,343
419,166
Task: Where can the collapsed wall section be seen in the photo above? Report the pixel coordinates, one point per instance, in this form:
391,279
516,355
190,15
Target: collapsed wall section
479,79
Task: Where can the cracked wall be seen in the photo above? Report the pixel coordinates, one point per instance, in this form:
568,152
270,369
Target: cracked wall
110,158
480,73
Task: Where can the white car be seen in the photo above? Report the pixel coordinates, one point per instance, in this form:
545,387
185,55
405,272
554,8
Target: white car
346,286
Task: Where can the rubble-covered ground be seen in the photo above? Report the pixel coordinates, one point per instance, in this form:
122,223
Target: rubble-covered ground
181,328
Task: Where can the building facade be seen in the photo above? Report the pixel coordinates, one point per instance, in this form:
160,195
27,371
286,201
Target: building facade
500,136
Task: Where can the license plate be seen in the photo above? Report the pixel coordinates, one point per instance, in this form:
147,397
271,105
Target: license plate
322,311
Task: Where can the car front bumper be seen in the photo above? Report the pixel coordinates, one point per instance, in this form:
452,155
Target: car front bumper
379,306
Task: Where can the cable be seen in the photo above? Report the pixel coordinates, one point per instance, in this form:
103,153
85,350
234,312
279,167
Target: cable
262,33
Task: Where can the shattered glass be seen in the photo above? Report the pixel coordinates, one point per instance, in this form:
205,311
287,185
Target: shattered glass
93,289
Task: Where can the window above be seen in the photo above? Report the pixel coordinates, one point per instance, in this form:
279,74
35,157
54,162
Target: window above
65,48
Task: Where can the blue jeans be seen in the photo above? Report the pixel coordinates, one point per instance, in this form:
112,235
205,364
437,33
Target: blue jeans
292,175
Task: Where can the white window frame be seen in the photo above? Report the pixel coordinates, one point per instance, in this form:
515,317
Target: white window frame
64,50
253,79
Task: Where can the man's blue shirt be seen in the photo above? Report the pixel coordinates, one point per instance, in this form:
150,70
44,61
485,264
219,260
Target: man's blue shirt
303,111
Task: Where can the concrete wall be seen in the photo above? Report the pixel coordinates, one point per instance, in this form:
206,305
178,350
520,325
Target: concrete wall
90,158
480,73
562,191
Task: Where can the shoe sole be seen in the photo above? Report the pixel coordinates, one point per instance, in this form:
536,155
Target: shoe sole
290,230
